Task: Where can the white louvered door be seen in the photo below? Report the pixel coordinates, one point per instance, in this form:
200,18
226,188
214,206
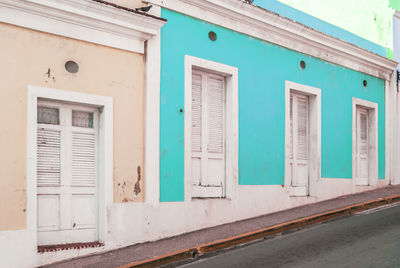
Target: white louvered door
66,173
362,146
208,135
299,142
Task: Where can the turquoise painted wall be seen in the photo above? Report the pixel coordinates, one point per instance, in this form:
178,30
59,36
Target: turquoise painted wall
263,69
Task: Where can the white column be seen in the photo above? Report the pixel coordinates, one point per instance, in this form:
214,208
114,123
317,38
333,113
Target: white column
152,127
394,111
396,36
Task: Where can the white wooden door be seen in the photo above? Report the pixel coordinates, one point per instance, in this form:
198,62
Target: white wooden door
208,135
362,146
66,173
299,141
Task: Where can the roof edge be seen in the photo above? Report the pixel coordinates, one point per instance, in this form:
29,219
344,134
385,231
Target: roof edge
87,20
274,28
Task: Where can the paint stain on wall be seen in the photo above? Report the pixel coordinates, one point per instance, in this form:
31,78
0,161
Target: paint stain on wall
129,189
137,189
49,76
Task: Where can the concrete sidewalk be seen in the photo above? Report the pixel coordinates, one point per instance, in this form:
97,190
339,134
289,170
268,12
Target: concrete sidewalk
246,230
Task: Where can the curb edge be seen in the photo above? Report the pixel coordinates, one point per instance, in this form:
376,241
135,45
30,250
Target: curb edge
193,252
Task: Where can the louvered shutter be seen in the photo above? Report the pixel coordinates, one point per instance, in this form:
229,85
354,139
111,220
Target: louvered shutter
362,146
196,137
208,135
215,115
196,113
363,135
48,156
83,159
298,152
291,128
66,173
302,127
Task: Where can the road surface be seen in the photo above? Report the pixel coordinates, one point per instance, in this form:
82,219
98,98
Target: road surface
368,239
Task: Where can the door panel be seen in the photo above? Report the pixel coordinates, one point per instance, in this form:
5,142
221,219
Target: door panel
196,170
67,173
362,146
208,135
48,212
215,173
83,211
299,142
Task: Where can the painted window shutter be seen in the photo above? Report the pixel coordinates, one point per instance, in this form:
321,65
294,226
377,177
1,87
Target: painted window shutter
298,152
208,135
363,135
302,127
196,113
215,114
48,156
362,146
83,159
66,173
196,137
291,129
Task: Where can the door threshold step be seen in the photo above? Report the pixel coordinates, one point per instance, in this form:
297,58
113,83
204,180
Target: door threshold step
52,248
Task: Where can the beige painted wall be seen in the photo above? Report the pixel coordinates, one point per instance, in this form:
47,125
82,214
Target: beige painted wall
27,56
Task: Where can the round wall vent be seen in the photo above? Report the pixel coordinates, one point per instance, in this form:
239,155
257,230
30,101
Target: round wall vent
212,35
72,66
302,64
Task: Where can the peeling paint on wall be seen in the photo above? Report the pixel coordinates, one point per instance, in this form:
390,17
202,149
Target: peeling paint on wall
129,189
137,189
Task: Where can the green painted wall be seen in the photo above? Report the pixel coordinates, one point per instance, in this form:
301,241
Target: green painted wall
263,69
319,24
371,19
395,4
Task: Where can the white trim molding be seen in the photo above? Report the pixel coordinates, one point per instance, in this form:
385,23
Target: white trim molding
84,20
390,134
105,157
372,108
314,147
268,26
396,37
152,118
232,136
397,14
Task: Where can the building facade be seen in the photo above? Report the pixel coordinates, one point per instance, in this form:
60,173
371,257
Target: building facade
121,127
73,124
299,116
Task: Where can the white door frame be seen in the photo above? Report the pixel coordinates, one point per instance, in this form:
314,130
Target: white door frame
105,180
372,108
314,147
231,130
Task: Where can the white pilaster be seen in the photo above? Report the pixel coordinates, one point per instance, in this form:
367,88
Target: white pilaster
152,138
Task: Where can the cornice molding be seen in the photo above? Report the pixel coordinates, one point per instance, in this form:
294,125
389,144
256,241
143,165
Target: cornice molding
268,26
85,20
397,14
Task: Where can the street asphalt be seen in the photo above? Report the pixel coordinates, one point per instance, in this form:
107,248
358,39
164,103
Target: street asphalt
148,250
368,239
